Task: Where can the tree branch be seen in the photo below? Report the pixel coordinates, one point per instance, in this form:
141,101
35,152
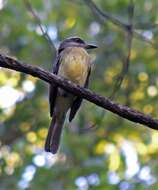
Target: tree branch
126,61
122,111
38,21
104,16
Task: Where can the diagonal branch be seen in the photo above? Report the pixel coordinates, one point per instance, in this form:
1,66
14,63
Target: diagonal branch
126,61
104,16
122,111
38,21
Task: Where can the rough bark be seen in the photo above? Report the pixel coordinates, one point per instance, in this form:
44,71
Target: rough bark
123,111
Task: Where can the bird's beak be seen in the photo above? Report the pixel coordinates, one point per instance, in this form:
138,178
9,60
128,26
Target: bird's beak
89,46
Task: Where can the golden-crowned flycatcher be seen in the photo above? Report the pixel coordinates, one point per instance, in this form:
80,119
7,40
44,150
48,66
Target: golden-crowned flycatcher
73,63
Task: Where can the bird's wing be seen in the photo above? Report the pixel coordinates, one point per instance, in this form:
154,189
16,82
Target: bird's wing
53,88
77,102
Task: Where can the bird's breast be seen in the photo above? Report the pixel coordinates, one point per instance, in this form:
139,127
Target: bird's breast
74,65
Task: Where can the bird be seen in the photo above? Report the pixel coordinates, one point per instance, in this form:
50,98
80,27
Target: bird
73,63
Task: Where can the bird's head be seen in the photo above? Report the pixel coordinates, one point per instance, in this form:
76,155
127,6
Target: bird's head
75,42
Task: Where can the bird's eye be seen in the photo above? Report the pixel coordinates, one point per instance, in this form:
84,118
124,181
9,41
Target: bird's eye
79,40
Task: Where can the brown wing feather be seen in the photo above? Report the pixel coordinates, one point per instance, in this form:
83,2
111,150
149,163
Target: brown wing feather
77,102
53,88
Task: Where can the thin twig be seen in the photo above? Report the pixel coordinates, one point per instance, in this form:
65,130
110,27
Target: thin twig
126,62
122,111
145,26
38,21
104,16
92,127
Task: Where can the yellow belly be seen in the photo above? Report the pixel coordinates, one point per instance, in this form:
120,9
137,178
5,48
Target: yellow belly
74,65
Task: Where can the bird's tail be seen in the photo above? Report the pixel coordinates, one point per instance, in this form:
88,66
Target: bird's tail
54,134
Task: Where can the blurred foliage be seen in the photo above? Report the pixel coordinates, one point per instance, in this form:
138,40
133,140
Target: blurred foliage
98,150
